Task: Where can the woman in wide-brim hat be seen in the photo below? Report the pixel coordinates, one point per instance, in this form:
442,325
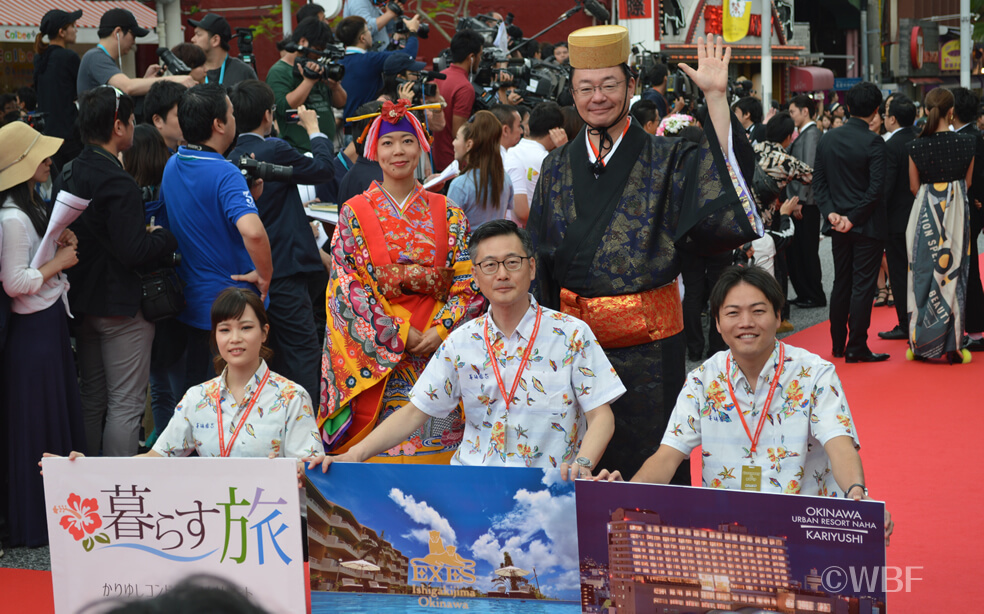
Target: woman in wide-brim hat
40,407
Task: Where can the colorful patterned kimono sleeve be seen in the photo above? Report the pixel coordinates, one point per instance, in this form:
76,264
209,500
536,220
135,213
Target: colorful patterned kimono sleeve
741,187
464,290
829,414
363,342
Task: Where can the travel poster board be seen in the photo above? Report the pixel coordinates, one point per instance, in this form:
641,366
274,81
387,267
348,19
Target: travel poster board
412,538
133,527
658,549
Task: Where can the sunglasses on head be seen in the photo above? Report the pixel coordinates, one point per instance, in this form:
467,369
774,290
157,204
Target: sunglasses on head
119,93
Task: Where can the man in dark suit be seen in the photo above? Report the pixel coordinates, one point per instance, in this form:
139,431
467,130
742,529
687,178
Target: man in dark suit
966,106
848,182
899,118
293,336
803,254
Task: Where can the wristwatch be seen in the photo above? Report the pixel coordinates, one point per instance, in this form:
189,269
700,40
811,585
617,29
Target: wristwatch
583,462
853,486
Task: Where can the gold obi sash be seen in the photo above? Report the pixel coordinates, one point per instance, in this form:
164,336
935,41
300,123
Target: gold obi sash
395,280
629,319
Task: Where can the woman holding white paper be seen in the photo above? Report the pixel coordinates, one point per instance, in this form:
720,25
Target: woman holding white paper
40,407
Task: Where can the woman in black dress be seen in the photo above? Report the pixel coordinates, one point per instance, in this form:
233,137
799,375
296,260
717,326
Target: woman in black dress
940,167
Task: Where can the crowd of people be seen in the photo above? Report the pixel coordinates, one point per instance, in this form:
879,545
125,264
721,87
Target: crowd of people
552,261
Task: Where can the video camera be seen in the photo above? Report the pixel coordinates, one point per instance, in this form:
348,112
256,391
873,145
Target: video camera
36,120
326,59
254,169
422,86
678,85
172,63
245,46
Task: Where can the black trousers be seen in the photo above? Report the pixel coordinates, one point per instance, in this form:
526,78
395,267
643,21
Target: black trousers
699,276
856,262
803,257
293,335
898,275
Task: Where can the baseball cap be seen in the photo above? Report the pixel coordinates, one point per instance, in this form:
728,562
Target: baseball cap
399,62
215,24
56,19
122,18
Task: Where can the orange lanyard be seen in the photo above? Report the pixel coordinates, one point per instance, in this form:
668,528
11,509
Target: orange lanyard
223,450
522,363
768,399
594,149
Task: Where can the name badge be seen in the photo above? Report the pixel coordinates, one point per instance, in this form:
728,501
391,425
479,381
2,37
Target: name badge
751,477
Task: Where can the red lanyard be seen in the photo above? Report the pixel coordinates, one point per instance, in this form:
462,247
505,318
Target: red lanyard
522,363
768,399
594,149
223,450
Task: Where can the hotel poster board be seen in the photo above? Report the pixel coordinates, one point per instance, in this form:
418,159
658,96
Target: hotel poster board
411,538
132,528
658,549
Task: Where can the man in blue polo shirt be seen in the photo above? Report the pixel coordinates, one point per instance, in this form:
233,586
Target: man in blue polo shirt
214,217
363,68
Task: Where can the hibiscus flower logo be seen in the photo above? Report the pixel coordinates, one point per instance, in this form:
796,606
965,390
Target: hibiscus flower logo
81,520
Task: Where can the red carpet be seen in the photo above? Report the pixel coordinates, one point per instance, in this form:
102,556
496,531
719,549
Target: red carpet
24,591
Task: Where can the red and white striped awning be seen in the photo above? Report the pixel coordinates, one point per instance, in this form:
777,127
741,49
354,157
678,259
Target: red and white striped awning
28,13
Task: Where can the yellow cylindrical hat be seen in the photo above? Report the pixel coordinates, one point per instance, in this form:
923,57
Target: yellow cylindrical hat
598,46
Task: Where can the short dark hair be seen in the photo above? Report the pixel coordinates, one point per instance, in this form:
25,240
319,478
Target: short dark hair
863,99
655,74
308,10
161,98
145,161
97,107
752,106
644,111
965,104
544,117
348,30
317,33
752,275
251,99
465,43
504,113
191,54
231,304
904,110
373,106
498,228
198,108
29,97
779,127
803,101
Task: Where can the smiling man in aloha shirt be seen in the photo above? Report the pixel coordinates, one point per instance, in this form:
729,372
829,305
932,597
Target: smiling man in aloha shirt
549,365
794,431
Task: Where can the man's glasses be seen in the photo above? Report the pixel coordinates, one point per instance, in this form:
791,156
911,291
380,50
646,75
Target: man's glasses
512,263
607,89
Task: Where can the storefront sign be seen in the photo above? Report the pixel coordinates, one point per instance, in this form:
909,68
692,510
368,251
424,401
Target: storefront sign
916,48
18,35
134,527
950,55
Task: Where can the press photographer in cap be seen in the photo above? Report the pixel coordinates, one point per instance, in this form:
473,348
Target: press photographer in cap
56,69
212,35
103,64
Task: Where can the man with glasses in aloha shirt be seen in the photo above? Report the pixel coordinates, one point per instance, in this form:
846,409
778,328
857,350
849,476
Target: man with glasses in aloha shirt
549,365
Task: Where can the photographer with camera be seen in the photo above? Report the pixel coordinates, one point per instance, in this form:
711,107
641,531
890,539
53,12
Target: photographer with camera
115,244
212,213
363,67
457,90
298,79
379,20
102,65
294,340
212,34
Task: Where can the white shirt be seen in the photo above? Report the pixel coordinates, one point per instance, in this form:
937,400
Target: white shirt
523,164
888,135
567,375
807,411
281,421
25,285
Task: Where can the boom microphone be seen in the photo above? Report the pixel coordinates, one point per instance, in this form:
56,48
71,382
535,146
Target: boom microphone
596,10
571,12
431,75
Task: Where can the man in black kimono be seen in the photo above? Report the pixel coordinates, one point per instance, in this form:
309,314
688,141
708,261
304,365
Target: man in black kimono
613,210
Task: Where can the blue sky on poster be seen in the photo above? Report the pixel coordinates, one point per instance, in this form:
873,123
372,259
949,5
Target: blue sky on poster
483,511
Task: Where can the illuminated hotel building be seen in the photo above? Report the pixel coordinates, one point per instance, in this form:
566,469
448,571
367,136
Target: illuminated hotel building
661,569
